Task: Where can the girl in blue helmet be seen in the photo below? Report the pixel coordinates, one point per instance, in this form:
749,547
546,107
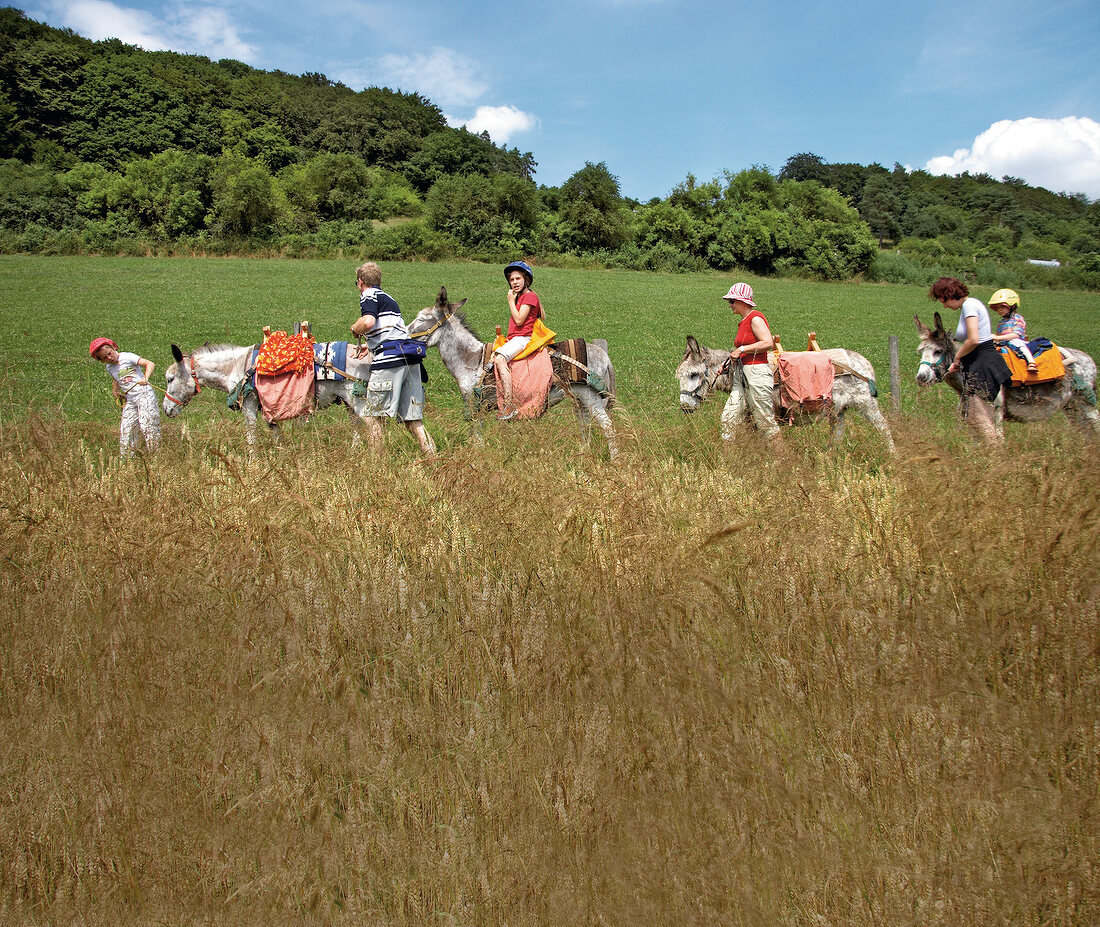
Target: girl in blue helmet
524,307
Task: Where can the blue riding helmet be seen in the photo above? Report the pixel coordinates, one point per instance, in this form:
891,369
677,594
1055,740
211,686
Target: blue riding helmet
523,267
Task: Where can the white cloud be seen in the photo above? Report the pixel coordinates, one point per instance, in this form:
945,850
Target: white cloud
501,122
97,20
193,29
444,76
212,34
1062,155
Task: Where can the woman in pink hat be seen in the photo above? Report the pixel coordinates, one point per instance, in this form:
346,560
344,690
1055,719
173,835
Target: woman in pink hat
130,374
751,391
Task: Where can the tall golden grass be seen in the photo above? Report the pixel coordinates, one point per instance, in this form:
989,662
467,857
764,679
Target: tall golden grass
519,685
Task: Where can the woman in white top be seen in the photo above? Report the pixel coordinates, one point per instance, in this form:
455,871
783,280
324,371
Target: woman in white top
981,368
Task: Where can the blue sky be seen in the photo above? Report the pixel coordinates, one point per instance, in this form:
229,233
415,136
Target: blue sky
661,88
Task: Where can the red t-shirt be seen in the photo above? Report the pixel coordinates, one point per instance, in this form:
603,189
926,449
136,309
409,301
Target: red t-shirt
745,336
526,298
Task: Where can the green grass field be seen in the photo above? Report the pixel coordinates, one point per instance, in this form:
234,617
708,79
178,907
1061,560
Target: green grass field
517,685
52,308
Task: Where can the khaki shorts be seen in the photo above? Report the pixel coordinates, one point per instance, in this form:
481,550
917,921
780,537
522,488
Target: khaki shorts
397,393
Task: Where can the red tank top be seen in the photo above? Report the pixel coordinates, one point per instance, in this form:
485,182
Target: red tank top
745,336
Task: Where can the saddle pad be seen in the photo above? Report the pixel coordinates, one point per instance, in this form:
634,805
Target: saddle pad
577,350
1049,363
805,376
328,354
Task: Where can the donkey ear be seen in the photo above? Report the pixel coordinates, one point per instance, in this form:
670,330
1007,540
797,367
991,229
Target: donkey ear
922,329
441,300
939,322
693,346
459,305
177,353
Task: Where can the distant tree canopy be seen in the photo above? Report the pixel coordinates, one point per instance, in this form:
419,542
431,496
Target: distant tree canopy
106,147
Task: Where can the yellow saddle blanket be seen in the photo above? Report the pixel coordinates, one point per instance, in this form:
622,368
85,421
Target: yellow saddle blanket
541,336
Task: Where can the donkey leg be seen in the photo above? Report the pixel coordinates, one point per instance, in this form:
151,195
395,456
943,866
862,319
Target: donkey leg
596,407
874,415
838,422
250,410
1084,416
356,409
603,419
584,422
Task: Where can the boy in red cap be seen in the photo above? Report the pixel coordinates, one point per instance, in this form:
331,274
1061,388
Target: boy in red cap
130,375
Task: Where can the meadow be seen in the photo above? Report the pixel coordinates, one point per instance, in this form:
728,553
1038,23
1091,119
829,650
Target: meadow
518,683
53,307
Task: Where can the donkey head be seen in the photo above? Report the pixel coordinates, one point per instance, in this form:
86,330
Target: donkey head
936,351
429,322
182,387
694,376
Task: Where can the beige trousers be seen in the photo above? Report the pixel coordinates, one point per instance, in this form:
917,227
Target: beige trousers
751,394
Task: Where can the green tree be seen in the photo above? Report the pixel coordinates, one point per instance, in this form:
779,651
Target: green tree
881,207
451,151
265,142
592,211
246,199
122,110
169,194
496,213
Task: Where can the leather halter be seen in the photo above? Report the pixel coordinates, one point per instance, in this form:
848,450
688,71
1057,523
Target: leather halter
427,331
198,388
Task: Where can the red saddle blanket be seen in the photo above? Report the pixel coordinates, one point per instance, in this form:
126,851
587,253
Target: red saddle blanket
805,377
1049,363
283,353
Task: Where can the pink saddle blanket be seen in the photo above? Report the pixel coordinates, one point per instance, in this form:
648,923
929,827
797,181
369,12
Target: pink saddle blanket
805,377
285,395
531,379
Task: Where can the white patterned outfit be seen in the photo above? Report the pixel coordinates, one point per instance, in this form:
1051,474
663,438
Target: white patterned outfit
140,403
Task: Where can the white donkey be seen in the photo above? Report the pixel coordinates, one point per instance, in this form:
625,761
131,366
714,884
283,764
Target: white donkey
1074,394
463,354
700,376
223,366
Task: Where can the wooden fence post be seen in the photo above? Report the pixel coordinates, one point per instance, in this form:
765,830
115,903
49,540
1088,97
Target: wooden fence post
895,375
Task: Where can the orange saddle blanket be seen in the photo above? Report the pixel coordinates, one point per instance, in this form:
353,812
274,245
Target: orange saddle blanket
1049,363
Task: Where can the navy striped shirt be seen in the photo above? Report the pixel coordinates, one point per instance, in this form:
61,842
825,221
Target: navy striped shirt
389,325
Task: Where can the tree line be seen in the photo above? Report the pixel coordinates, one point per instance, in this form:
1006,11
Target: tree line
107,148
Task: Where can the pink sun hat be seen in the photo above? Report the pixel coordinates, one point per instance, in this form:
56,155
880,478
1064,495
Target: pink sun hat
98,343
741,291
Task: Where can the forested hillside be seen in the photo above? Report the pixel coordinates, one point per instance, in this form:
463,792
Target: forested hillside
106,148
